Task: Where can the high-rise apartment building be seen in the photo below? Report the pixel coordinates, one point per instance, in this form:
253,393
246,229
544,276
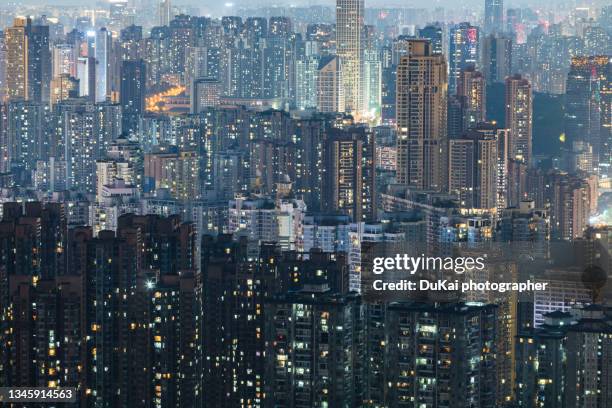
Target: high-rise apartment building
567,360
473,169
348,186
132,93
421,117
440,354
588,104
472,94
519,117
321,369
15,39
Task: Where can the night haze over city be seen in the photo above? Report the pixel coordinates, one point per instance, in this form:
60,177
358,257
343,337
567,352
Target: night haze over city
329,204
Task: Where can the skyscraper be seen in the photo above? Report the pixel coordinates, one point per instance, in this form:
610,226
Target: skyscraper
471,91
434,34
206,93
463,51
164,12
519,117
349,27
102,53
442,352
348,185
494,16
330,87
496,58
587,105
472,169
421,117
38,62
132,94
568,349
16,60
28,61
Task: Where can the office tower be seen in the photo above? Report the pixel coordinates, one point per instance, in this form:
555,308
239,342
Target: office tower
164,11
330,89
496,58
86,75
494,16
235,280
472,169
63,87
100,49
16,59
349,26
132,93
434,34
327,373
587,108
441,353
471,91
421,117
206,93
463,52
568,349
348,186
519,112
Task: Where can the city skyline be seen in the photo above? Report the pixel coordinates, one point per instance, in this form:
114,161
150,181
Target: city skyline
346,204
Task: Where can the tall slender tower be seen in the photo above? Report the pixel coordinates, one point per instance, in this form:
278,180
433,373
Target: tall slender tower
463,51
349,28
28,67
17,59
494,16
519,117
471,91
165,12
421,117
132,94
